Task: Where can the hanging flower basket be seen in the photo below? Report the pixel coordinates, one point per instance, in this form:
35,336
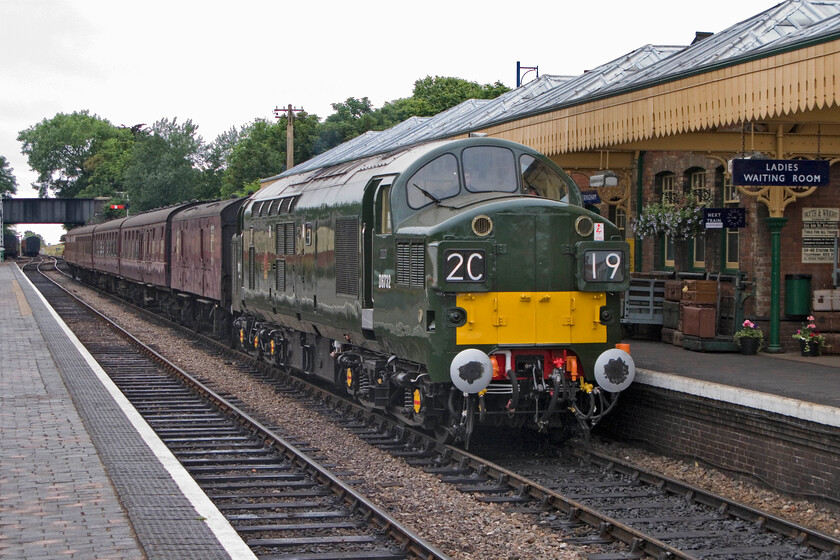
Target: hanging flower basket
680,218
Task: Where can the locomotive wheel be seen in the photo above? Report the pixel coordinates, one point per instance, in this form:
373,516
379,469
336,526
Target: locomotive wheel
443,434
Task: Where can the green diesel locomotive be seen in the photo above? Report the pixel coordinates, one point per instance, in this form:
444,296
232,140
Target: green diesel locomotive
453,283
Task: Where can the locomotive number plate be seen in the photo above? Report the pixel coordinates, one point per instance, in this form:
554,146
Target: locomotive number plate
603,266
464,265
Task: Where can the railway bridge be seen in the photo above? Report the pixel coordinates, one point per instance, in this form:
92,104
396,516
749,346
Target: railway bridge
75,211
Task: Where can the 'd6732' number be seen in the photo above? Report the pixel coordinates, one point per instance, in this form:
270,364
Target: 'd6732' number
603,266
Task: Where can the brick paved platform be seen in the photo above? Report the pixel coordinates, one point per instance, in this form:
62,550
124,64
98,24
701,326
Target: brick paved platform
81,475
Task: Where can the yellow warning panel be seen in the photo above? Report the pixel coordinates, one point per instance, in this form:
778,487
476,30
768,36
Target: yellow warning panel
507,318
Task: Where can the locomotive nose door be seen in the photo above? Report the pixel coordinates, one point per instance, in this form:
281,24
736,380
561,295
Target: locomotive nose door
531,304
516,279
378,244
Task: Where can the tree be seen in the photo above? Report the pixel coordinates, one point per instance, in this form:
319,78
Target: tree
430,97
260,153
8,183
105,169
30,233
439,93
164,167
58,148
217,162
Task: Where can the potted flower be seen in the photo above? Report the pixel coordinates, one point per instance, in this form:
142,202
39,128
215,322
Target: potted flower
749,338
811,342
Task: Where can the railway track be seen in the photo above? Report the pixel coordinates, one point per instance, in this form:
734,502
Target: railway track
275,493
599,499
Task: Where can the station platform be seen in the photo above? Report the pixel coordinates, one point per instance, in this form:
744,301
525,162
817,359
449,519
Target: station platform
803,387
81,474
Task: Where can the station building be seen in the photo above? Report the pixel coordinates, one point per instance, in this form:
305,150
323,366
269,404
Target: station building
666,124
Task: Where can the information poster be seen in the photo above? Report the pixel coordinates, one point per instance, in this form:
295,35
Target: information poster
819,227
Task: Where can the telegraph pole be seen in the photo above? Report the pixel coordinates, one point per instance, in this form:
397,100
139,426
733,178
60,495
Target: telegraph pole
290,136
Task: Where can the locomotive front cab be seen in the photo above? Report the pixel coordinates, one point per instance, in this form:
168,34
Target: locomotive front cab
516,287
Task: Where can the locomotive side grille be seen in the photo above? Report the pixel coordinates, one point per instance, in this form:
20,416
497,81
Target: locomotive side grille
251,268
347,256
284,245
281,275
290,238
418,272
411,264
285,239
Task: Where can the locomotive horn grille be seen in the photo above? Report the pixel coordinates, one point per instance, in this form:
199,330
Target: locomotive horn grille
482,225
584,226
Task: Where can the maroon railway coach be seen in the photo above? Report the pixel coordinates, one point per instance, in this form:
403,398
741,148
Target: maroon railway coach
201,274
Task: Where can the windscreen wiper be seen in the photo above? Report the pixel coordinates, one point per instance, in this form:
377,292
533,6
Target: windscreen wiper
431,197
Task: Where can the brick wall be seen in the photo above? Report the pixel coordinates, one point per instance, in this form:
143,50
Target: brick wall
792,455
755,249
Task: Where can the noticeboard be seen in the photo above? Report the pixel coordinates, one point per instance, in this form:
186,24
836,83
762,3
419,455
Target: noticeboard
819,228
728,218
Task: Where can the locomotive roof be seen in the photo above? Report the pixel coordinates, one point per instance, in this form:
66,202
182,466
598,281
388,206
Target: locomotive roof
394,161
787,25
153,216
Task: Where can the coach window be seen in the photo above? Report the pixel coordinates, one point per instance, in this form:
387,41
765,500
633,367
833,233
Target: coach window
435,181
489,169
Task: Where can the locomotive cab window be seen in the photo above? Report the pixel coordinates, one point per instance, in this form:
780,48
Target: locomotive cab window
383,210
540,180
434,182
489,169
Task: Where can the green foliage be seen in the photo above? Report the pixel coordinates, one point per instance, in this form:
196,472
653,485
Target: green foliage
439,93
431,96
163,168
749,330
105,169
260,153
808,335
80,154
8,183
681,218
30,233
216,162
58,148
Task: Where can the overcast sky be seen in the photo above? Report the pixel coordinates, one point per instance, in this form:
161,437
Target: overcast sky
224,64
